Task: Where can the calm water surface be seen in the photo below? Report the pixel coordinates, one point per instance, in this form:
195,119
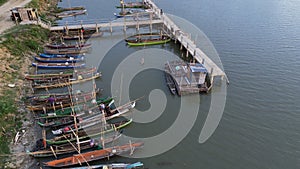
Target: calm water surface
258,43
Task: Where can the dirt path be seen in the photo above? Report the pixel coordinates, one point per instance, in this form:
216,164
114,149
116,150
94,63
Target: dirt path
5,21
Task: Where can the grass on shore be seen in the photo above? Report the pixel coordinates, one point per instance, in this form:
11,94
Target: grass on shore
2,2
9,121
23,39
21,42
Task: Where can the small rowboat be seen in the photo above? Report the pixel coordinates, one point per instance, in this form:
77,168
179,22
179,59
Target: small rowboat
69,51
67,148
64,82
60,75
58,65
94,155
147,39
112,166
70,13
84,36
66,46
45,55
95,131
170,83
59,60
133,5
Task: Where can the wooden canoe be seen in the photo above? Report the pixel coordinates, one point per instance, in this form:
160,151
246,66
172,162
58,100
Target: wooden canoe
64,82
93,155
45,55
77,109
59,75
92,132
59,60
112,166
66,46
58,65
67,148
71,13
147,39
69,51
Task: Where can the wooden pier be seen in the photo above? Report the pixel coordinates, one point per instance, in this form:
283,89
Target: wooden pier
153,16
192,49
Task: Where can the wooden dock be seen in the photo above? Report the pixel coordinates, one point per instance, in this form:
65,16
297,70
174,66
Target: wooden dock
192,49
154,16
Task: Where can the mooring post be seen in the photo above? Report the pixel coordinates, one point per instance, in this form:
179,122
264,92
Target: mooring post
137,25
181,46
151,22
187,50
124,24
97,30
110,27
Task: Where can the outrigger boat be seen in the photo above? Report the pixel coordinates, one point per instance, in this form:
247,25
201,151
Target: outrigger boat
91,132
70,51
59,60
112,166
71,13
94,155
63,110
77,95
59,75
92,120
83,36
133,5
147,39
65,82
55,150
58,65
45,55
66,46
69,120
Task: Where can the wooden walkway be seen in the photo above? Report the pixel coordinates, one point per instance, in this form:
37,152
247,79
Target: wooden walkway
154,17
213,69
137,20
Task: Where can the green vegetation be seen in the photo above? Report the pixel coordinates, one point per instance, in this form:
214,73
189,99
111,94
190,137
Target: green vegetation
23,39
9,122
2,2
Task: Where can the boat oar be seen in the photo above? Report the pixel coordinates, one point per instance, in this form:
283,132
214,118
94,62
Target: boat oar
53,151
77,151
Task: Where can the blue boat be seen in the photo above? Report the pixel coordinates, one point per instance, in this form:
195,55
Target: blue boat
58,65
44,55
112,166
59,60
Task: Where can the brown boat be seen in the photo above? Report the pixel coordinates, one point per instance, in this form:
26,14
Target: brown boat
68,148
93,155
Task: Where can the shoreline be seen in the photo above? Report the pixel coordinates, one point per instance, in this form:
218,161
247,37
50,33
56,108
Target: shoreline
17,45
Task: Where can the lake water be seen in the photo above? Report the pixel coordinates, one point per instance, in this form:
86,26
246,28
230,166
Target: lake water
258,44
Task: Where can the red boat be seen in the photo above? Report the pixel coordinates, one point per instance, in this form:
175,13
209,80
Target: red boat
93,155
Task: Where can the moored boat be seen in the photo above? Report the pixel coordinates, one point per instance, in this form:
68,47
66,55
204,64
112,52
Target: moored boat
133,5
71,13
70,51
65,82
91,132
59,60
66,46
58,65
94,155
45,55
84,36
59,75
55,150
112,166
147,39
